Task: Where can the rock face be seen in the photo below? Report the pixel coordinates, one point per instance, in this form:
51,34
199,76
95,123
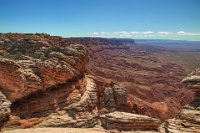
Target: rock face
114,96
32,63
192,82
58,130
44,78
42,104
188,120
82,113
128,121
4,109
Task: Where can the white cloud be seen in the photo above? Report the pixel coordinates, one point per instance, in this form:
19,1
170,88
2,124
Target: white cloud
147,32
143,34
122,33
149,35
103,32
180,32
125,35
187,33
164,33
95,33
133,32
116,33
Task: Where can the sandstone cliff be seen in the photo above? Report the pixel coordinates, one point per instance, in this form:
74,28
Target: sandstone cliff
45,78
4,109
44,85
188,120
32,63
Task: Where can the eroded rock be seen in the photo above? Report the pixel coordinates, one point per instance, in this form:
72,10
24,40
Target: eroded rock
188,120
4,109
58,130
82,113
37,62
114,96
128,121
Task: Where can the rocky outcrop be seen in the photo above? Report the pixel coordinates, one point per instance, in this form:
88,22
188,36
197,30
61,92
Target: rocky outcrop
43,75
4,109
42,104
82,113
188,120
58,130
129,121
34,63
114,96
192,82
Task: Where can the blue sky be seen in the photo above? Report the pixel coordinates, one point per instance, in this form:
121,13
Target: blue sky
151,19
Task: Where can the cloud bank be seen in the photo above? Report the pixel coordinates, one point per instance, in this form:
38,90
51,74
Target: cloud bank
145,34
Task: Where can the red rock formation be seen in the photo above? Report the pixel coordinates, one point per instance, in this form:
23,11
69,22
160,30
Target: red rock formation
128,121
188,119
4,109
44,78
153,85
34,63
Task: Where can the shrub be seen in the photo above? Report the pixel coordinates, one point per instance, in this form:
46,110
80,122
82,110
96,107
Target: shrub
54,49
72,113
38,55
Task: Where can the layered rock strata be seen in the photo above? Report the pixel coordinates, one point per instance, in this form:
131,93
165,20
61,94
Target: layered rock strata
4,109
192,82
188,120
58,130
128,121
34,63
114,96
42,75
82,113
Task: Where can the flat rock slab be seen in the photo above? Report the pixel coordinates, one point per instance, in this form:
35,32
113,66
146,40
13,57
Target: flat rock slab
128,121
57,130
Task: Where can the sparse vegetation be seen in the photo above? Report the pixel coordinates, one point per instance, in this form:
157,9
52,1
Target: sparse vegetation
54,49
72,113
38,55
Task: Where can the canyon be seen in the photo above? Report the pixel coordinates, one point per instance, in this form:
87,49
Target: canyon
152,83
55,84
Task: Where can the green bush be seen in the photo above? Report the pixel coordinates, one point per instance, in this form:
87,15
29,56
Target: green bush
72,113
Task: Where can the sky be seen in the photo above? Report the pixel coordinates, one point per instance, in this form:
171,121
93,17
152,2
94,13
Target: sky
137,19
